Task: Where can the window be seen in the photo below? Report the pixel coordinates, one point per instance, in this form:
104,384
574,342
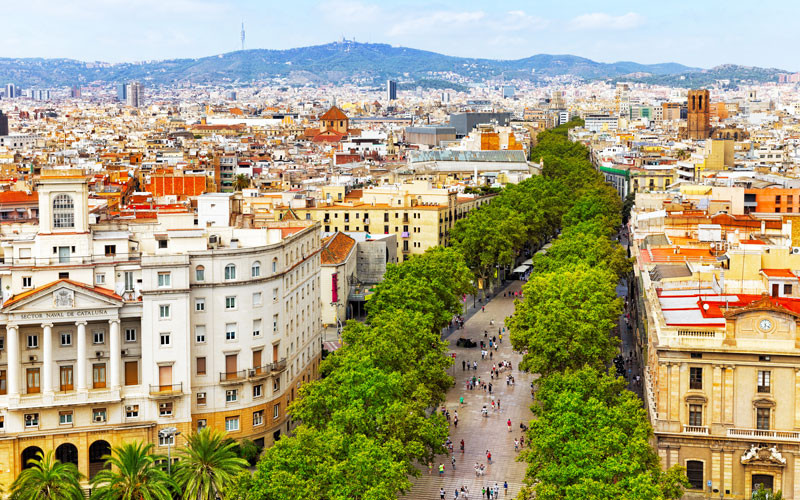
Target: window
763,380
230,331
63,212
255,269
111,250
256,328
31,420
274,322
694,472
164,279
130,335
695,378
98,415
201,365
231,396
231,424
276,411
131,373
131,411
230,303
201,424
128,281
762,419
201,399
27,281
199,273
275,265
100,278
696,415
258,418
163,311
98,375
274,295
168,440
65,378
200,334
165,338
98,337
162,243
66,338
258,391
199,305
230,272
256,299
165,409
65,418
276,385
33,341
787,289
777,199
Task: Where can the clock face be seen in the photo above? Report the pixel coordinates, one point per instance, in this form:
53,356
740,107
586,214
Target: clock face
765,324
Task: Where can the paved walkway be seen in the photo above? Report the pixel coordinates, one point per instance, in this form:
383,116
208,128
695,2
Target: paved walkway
482,433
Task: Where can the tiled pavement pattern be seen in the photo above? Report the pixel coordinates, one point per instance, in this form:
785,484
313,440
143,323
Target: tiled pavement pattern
482,433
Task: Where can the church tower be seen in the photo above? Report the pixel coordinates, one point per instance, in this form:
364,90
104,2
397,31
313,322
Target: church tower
698,117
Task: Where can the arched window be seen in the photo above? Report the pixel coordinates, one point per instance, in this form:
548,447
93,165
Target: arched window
199,273
275,265
230,272
255,270
694,472
63,212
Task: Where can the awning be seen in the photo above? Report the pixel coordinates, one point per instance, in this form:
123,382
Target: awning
528,262
520,269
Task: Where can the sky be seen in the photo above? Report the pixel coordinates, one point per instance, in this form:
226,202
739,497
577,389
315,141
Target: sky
701,33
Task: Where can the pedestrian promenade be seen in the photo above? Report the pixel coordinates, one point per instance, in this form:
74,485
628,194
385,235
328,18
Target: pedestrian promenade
478,432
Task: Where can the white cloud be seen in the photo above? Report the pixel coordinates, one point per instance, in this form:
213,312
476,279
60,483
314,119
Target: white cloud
346,12
603,21
518,20
438,21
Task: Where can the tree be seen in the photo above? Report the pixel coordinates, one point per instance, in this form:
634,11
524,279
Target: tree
764,494
134,475
249,451
627,205
591,439
566,320
579,247
47,479
241,182
208,464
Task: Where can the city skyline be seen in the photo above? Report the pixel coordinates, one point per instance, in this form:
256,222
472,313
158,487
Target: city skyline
699,35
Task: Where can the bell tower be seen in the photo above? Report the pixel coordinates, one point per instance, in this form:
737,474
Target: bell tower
698,118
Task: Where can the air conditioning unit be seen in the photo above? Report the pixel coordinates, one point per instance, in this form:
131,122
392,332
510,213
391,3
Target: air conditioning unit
98,354
796,250
201,395
124,352
28,418
213,241
32,358
129,408
99,418
251,373
163,406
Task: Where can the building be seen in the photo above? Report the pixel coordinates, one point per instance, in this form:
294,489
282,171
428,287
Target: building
698,124
114,330
509,91
122,92
391,90
3,124
135,94
429,136
18,141
601,123
12,91
338,273
464,123
75,92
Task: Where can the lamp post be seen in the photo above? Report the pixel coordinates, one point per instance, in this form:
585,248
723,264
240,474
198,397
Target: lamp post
169,434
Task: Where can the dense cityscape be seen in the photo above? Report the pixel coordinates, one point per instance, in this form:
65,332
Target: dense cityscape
364,271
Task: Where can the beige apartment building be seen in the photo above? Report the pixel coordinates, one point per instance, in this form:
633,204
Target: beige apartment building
420,215
115,329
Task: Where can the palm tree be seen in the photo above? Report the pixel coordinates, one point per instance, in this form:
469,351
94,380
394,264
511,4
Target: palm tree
241,182
208,465
47,479
134,475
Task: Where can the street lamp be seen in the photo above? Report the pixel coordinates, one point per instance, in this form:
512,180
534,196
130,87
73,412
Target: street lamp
169,434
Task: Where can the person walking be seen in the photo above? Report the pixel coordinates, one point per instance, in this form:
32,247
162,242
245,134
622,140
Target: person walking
498,404
441,493
509,425
453,461
462,446
505,486
441,469
489,456
463,365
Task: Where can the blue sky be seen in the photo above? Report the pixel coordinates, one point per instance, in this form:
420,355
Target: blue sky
697,33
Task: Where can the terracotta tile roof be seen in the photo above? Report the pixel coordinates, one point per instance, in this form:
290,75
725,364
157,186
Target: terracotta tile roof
18,197
336,248
96,289
334,114
779,273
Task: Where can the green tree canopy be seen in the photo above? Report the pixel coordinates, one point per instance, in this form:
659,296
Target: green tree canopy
208,464
47,479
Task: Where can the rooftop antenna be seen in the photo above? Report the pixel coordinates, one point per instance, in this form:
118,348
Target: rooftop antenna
242,35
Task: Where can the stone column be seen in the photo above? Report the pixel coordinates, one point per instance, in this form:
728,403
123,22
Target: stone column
716,395
115,356
797,401
716,468
727,481
796,489
661,392
47,362
729,394
12,341
81,346
675,392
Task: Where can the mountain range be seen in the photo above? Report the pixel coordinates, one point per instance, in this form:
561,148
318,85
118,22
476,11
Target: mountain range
365,63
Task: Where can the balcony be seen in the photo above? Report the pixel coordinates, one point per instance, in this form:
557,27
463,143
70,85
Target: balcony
236,377
696,429
259,372
166,390
764,435
279,366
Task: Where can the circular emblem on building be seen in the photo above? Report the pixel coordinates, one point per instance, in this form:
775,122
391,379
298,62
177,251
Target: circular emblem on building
765,324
